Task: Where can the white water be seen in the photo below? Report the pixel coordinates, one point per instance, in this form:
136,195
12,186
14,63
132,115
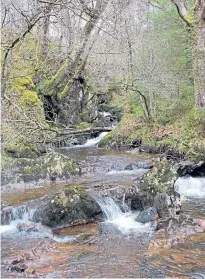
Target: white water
124,172
190,187
12,217
95,141
105,113
125,222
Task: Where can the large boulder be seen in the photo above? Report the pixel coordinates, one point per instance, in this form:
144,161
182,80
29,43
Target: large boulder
70,206
160,179
166,205
51,166
147,215
192,168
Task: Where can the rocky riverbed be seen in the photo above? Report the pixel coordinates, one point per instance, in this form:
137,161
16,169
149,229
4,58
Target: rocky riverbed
110,214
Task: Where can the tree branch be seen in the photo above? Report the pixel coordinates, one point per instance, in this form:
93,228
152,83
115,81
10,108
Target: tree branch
183,12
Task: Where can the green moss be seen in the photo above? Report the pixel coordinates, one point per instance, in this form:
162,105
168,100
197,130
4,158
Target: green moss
83,125
25,88
65,90
189,19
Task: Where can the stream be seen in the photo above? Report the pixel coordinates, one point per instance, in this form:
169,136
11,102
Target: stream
121,249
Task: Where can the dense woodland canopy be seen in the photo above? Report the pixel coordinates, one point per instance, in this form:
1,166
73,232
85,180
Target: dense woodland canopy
146,57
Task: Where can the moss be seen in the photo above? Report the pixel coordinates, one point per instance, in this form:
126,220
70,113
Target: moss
107,139
189,19
47,166
25,88
160,179
21,150
83,125
65,90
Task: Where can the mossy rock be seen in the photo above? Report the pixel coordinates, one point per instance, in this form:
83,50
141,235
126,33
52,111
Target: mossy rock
53,165
21,151
70,206
160,179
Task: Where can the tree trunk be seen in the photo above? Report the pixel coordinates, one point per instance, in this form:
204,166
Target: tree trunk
199,61
197,26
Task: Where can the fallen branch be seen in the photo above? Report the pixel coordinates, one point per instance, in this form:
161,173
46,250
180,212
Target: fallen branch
87,130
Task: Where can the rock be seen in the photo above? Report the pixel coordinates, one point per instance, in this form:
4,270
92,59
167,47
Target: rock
18,260
52,165
140,165
69,206
18,267
148,215
134,151
160,179
201,223
35,227
166,205
4,204
27,227
192,168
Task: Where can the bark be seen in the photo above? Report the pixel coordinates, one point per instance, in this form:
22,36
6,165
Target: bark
197,27
46,21
64,85
73,65
199,54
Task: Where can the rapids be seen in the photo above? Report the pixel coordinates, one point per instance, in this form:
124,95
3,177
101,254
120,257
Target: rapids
117,245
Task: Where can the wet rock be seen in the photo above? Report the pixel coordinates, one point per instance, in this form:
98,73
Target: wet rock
108,229
53,165
166,205
201,223
148,215
26,227
160,179
4,204
35,227
192,168
18,260
140,165
11,213
134,151
21,267
69,206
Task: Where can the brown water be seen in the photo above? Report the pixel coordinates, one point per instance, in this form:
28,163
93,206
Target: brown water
100,255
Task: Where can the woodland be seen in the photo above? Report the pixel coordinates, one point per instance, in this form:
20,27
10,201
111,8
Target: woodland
65,62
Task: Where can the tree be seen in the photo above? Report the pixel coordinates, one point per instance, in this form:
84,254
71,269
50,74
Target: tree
196,24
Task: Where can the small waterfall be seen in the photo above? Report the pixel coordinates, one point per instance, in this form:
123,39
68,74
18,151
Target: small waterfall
10,213
95,141
125,222
109,207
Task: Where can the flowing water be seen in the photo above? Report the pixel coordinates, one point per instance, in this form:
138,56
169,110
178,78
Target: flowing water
116,246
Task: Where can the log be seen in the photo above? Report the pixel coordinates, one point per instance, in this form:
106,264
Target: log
87,130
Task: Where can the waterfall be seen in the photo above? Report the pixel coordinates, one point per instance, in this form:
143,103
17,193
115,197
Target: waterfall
109,207
124,221
10,216
95,141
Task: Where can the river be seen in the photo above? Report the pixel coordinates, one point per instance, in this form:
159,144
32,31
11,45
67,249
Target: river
122,249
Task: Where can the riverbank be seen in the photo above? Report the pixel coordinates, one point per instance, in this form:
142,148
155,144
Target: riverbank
184,139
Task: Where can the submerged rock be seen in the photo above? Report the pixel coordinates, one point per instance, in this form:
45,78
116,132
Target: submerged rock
148,215
70,206
30,227
148,164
